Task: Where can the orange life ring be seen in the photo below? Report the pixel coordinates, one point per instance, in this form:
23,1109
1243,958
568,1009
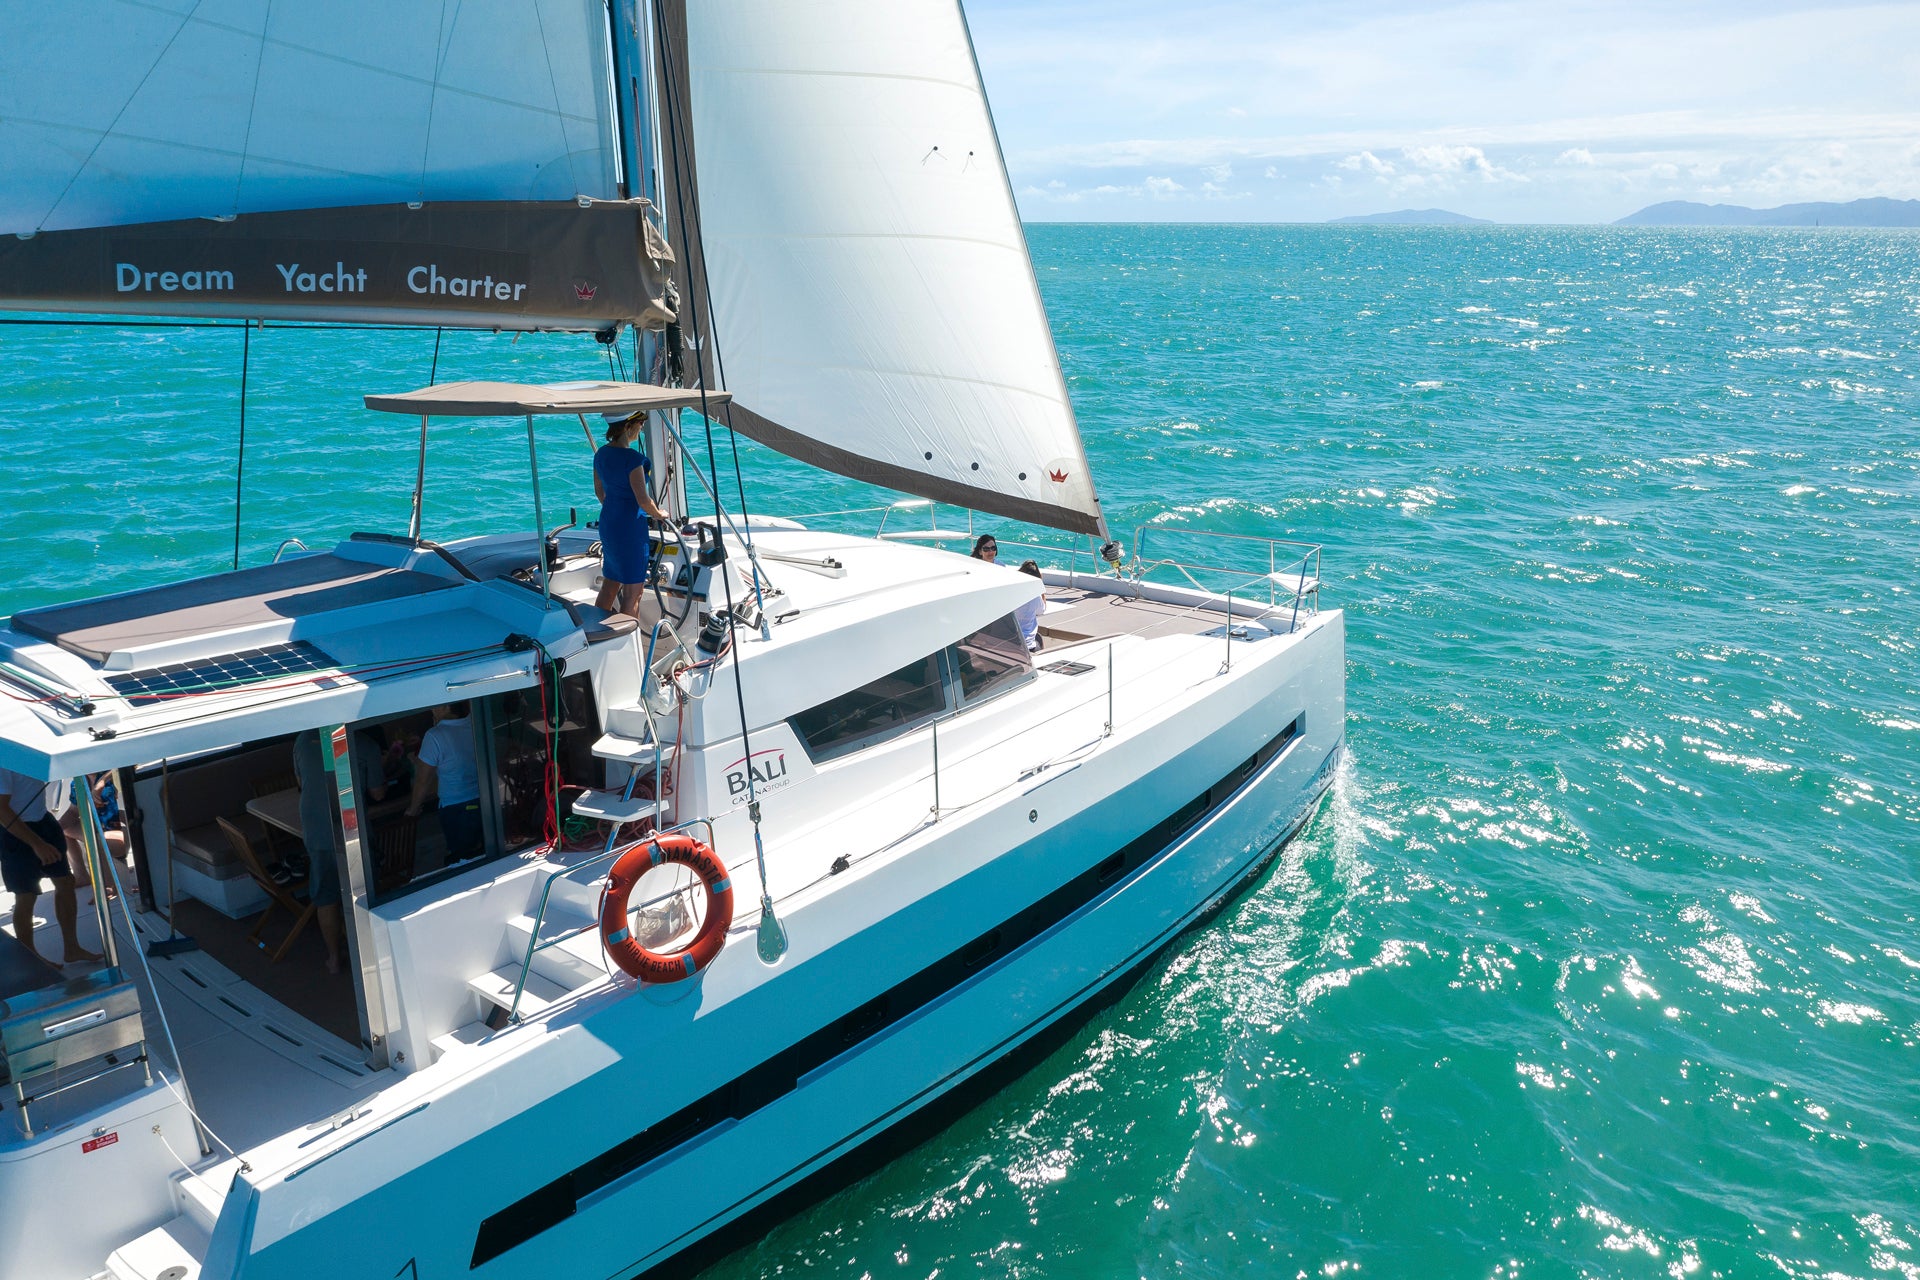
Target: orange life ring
658,966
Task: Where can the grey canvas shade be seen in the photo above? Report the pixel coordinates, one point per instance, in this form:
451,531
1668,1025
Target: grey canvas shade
518,399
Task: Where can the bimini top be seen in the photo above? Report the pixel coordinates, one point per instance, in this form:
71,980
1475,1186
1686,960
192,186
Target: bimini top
518,399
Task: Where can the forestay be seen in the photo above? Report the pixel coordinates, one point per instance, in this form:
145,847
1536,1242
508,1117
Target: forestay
168,155
872,303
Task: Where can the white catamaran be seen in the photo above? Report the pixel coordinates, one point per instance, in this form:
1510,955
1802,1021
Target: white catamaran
573,1054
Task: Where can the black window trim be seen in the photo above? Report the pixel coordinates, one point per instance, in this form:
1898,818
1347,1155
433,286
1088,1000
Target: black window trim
956,700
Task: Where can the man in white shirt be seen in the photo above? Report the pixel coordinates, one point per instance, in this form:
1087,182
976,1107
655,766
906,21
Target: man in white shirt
33,846
446,767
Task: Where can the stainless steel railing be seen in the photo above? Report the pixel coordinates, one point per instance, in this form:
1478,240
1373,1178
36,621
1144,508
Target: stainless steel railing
1292,574
1290,564
534,943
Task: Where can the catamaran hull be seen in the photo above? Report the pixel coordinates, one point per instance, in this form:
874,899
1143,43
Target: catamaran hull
943,1109
691,1198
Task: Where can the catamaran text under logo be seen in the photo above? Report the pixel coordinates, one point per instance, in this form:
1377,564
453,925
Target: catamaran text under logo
769,770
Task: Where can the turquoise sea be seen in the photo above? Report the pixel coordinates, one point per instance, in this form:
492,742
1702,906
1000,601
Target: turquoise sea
1603,958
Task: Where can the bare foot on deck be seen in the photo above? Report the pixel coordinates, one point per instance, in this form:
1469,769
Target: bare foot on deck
80,955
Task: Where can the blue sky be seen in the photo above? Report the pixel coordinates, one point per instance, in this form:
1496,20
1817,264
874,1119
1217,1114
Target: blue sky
1544,112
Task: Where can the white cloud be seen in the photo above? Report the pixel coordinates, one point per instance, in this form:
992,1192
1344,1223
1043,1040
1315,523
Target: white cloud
1162,188
1540,112
1368,162
1462,160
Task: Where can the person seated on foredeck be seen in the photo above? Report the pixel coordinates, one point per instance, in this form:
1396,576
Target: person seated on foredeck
33,846
447,769
621,476
316,832
985,548
106,803
1028,614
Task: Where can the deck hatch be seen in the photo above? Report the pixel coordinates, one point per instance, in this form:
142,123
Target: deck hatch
222,674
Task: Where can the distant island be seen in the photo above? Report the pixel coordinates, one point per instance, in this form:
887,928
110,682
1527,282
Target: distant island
1873,211
1418,218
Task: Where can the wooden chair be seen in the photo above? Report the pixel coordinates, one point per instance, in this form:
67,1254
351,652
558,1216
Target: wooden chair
272,784
277,896
394,842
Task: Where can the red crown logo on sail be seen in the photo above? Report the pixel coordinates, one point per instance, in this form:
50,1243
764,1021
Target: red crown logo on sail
585,291
1058,477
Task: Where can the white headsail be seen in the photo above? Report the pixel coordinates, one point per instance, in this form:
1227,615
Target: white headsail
872,303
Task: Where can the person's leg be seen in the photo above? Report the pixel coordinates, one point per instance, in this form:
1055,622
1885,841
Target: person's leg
323,891
118,849
66,910
333,931
23,904
460,824
609,594
76,851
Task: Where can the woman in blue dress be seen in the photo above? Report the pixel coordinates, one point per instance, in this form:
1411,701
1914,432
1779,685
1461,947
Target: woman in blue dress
621,475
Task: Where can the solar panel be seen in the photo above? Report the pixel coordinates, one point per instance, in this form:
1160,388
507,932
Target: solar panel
229,672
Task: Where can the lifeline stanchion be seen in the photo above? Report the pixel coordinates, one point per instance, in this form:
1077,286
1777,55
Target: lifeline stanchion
936,771
539,518
1228,664
1108,731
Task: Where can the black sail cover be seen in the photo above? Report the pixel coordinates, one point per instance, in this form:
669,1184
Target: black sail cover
572,264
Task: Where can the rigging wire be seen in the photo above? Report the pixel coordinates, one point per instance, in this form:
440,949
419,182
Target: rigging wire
433,373
559,112
240,463
146,964
772,941
703,288
185,22
253,108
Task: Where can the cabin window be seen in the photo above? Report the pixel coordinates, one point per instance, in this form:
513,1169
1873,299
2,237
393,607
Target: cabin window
987,663
991,661
892,705
511,747
519,724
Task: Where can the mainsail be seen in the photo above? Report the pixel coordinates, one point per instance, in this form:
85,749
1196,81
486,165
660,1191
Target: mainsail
460,162
840,201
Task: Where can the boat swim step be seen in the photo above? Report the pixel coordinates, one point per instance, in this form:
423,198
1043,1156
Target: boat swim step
496,989
619,747
460,1039
611,806
572,962
171,1251
626,720
202,1195
574,895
